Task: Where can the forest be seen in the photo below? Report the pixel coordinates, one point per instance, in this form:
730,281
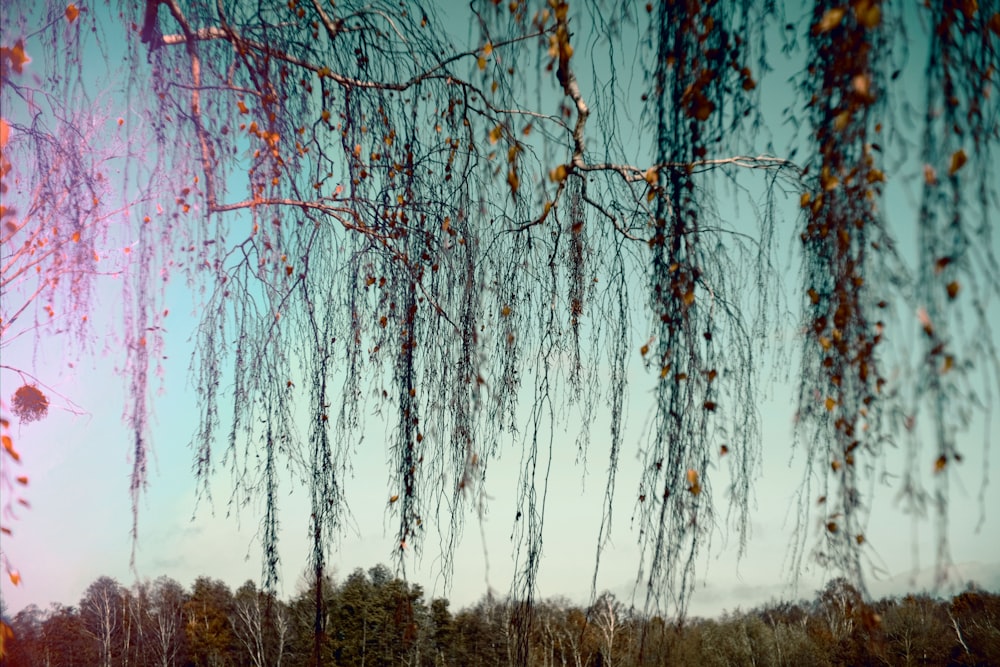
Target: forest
374,618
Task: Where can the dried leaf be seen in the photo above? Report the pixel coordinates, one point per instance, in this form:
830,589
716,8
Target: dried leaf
958,159
831,19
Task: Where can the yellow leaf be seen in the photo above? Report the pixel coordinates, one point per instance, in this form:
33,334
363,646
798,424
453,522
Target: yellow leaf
830,403
496,133
505,311
869,14
930,176
831,19
558,175
488,49
481,62
805,199
958,159
651,176
841,120
513,181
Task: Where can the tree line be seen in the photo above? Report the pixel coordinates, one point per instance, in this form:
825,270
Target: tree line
375,618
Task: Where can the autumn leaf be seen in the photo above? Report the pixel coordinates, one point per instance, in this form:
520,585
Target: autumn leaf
652,176
4,132
953,288
831,19
15,577
830,403
693,485
930,175
394,498
868,13
958,159
8,446
940,463
16,55
71,12
513,181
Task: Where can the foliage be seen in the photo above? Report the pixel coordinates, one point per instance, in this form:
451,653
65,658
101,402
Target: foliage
464,238
377,619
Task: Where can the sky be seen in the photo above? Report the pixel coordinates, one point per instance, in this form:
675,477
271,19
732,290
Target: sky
78,526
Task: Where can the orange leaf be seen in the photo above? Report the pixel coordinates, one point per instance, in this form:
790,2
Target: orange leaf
958,159
15,577
394,498
76,237
71,12
242,107
831,19
4,132
8,445
930,176
18,58
22,480
830,403
940,463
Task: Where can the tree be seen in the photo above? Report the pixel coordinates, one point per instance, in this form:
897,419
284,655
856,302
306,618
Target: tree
209,633
166,619
462,237
102,615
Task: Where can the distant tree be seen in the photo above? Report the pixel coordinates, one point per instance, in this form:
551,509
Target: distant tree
209,632
26,642
917,631
166,622
103,615
975,618
67,640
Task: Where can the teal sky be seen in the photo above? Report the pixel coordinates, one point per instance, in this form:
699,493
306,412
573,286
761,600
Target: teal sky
78,527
